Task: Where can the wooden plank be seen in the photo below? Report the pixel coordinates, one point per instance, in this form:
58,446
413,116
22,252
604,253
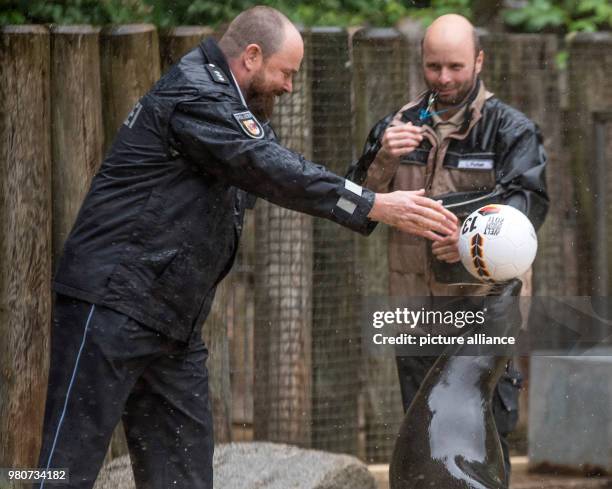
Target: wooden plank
335,330
381,59
130,66
590,59
283,293
77,130
129,59
25,240
178,41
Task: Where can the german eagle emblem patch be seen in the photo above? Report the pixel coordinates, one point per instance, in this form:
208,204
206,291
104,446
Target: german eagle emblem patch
249,125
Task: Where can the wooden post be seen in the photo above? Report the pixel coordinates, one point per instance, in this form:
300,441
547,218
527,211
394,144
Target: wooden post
129,58
174,43
25,240
526,77
214,334
77,131
178,41
240,321
283,293
336,333
413,31
381,81
589,92
130,66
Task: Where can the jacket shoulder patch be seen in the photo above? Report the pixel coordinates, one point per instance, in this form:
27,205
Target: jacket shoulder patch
216,74
249,124
133,115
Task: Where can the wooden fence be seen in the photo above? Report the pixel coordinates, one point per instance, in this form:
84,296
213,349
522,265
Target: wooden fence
286,363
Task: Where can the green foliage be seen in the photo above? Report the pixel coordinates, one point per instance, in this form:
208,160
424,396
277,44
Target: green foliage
319,12
537,16
441,7
308,13
166,13
73,11
562,16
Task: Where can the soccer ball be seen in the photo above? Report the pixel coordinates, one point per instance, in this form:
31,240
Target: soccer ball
497,243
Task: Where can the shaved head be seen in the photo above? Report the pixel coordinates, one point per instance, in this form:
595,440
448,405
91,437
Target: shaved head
450,31
264,26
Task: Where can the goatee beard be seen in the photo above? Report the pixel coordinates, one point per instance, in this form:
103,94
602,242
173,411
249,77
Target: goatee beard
461,96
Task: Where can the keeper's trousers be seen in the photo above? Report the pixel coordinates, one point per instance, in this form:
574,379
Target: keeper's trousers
106,367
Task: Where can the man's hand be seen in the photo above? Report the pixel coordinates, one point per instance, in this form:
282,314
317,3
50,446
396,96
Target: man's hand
412,212
447,249
402,139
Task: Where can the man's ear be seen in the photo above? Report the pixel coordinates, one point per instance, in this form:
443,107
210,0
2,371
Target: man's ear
252,57
479,62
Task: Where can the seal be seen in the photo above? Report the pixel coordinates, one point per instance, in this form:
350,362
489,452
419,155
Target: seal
448,437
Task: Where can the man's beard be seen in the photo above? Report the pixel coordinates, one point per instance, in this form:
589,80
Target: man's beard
260,100
460,96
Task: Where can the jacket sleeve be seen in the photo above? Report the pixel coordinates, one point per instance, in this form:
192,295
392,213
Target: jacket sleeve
372,169
205,132
521,169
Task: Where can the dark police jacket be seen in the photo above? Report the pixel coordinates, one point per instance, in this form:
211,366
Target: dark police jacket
160,225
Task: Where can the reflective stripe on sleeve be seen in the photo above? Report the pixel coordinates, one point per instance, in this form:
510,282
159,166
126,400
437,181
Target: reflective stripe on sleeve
353,187
346,205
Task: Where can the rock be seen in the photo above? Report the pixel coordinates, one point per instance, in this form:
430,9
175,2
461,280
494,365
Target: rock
261,465
116,475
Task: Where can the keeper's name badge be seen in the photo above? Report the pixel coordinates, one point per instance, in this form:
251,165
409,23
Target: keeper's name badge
249,125
473,164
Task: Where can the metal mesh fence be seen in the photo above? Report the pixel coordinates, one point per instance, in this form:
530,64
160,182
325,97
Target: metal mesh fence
381,86
300,281
290,338
527,78
589,66
602,185
283,291
335,332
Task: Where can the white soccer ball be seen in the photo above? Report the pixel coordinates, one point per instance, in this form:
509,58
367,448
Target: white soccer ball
497,243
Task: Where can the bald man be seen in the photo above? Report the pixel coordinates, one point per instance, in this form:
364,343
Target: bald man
159,230
464,146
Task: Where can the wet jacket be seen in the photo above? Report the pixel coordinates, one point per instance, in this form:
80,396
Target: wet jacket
497,149
160,225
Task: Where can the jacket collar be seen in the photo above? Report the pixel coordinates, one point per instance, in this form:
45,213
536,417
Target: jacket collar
476,100
213,54
469,113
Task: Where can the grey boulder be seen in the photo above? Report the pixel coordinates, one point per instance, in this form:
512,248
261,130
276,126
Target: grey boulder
262,465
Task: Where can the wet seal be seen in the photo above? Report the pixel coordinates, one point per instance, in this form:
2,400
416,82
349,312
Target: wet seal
448,438
249,125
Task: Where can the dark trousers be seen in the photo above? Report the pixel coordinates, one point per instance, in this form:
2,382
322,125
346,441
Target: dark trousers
106,367
412,372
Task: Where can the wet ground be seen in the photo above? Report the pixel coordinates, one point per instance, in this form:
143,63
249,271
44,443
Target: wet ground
521,479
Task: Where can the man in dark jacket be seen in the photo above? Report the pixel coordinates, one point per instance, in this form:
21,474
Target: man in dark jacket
159,230
459,143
